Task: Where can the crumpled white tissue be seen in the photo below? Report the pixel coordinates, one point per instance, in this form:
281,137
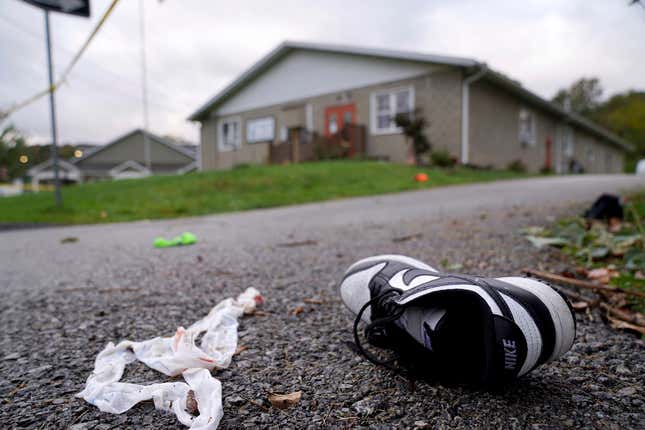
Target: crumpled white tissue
173,356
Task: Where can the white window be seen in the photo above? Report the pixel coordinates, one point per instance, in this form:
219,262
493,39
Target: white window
527,128
568,141
590,153
609,161
333,124
309,117
260,129
284,134
384,106
230,137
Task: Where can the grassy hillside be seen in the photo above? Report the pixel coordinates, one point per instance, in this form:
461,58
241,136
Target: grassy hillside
235,190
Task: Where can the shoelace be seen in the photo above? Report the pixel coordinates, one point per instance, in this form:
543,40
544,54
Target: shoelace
377,326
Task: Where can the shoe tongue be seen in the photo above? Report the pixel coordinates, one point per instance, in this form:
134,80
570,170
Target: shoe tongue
421,322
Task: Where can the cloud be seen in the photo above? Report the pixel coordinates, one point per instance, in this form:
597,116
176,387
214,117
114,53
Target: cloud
195,48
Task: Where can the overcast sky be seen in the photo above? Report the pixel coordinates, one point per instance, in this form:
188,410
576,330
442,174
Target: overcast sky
195,47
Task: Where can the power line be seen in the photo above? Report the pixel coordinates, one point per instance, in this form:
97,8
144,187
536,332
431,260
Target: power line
54,85
116,76
112,90
65,74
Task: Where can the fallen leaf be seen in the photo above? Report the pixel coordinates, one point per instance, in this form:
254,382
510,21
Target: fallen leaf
582,271
70,239
634,259
540,242
599,252
406,238
284,401
602,275
615,225
239,349
297,310
579,306
260,314
618,300
532,230
598,273
313,301
298,243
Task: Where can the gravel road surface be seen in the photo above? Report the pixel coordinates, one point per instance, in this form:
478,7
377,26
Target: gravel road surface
62,302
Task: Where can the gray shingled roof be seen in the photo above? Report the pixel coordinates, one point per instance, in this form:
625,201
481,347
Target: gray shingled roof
151,136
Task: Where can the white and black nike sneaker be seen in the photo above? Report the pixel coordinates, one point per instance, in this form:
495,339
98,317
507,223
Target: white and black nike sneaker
468,329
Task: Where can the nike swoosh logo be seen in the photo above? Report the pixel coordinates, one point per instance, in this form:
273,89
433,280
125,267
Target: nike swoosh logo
397,280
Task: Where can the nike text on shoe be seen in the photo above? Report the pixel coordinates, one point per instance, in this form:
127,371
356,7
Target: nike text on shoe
483,331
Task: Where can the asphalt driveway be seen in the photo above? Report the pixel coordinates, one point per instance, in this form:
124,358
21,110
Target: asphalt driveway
63,300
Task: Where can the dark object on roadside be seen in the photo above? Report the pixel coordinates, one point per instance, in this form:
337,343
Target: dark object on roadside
70,239
606,207
575,167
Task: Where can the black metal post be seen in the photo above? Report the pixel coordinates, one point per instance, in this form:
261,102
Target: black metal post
52,109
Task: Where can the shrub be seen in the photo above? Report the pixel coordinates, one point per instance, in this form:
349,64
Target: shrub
413,126
326,151
546,170
517,166
442,158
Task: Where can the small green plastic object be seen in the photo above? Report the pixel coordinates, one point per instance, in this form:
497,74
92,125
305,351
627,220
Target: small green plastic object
181,240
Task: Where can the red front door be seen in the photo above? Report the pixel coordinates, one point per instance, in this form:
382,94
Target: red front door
337,116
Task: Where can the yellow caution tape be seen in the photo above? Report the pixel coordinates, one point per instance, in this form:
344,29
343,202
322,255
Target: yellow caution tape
68,69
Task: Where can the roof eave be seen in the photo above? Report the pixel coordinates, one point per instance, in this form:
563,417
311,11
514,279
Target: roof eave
288,46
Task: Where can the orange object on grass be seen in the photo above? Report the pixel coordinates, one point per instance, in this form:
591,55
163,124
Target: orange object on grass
421,177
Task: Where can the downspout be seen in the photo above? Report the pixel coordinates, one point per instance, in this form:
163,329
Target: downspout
465,110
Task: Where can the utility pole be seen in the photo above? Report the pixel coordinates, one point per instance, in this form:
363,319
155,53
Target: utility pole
52,110
72,7
144,86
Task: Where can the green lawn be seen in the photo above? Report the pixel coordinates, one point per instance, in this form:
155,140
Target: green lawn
235,190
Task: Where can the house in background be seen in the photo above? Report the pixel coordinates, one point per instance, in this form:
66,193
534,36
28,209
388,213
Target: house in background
478,115
124,157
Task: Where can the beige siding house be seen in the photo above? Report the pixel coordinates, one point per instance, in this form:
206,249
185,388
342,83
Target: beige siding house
478,115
